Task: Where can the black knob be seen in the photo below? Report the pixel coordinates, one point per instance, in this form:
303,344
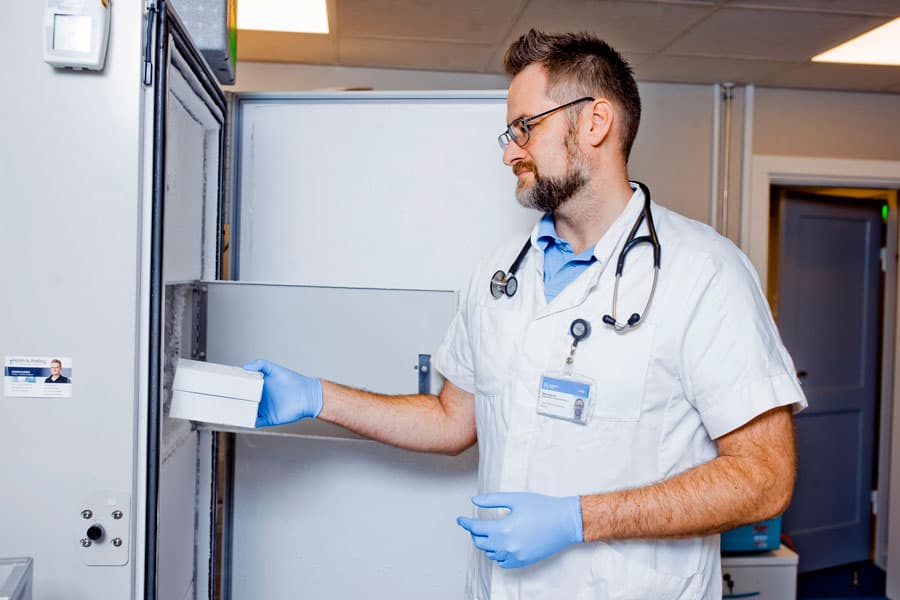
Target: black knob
95,533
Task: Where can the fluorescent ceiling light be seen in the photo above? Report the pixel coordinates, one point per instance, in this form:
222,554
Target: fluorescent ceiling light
299,16
881,46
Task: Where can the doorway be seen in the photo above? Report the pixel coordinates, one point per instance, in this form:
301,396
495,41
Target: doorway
826,284
766,170
826,287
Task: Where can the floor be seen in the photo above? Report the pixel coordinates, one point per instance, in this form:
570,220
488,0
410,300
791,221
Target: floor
859,580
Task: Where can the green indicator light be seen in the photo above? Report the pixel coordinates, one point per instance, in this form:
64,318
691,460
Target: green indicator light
884,211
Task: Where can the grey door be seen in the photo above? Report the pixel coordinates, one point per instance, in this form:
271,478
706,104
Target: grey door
828,307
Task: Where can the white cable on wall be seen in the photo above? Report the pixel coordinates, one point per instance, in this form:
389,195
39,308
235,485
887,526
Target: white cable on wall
716,143
727,108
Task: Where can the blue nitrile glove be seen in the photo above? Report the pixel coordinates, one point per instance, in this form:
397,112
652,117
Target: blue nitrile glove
536,527
287,396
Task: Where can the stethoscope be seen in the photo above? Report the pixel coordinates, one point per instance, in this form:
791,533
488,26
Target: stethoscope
505,283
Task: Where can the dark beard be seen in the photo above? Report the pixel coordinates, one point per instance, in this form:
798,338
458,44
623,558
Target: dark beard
549,193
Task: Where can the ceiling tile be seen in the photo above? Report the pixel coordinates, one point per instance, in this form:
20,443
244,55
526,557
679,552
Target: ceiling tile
694,69
769,34
869,7
276,46
836,77
642,27
634,59
367,52
460,20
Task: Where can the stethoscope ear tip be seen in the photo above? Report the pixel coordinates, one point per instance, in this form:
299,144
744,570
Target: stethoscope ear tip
609,320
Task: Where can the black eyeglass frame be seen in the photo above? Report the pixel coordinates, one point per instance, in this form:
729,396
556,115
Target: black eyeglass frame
507,136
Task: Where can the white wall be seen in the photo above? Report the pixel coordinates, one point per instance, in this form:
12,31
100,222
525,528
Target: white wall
673,150
69,233
826,124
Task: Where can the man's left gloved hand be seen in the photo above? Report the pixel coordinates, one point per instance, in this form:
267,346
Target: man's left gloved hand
536,527
287,396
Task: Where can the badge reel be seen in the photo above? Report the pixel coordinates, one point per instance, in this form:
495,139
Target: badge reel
564,394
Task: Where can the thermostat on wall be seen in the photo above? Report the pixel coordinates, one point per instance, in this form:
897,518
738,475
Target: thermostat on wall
76,33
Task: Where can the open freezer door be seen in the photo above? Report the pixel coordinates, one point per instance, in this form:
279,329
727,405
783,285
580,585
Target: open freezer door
189,112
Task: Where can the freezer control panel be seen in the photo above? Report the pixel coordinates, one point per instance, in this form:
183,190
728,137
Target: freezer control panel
76,33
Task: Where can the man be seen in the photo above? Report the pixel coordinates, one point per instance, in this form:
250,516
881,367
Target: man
684,428
56,375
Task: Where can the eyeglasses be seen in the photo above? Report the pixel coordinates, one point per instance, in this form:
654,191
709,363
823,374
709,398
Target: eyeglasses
519,131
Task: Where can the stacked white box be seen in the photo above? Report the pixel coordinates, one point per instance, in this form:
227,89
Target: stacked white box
215,393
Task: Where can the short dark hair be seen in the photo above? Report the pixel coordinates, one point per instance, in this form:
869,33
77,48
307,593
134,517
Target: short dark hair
580,64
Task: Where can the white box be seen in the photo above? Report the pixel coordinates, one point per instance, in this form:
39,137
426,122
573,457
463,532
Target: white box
765,575
215,393
15,579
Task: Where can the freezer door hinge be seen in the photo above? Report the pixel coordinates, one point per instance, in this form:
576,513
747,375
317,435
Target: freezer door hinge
148,45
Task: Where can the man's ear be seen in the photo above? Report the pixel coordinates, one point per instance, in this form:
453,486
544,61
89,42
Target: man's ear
602,116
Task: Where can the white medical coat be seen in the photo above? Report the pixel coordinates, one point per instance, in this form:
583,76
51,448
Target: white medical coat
707,359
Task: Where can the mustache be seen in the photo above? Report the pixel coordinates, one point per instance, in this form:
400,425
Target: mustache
524,166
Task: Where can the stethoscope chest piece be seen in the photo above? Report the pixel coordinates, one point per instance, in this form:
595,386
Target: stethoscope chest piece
503,284
506,284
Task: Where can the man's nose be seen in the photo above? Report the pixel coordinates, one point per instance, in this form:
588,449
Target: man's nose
512,154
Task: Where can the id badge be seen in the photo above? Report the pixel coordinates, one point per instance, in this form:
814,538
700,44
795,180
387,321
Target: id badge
567,397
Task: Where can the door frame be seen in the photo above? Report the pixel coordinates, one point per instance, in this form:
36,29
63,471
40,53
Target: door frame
766,170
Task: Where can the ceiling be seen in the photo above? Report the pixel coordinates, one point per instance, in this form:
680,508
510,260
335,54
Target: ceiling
766,42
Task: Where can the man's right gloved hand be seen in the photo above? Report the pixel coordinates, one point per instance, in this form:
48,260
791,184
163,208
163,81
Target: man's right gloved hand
287,396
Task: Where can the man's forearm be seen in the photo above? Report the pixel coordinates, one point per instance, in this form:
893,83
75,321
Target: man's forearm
418,422
751,484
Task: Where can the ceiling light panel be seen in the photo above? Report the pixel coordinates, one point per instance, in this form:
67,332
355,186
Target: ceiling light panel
298,16
881,46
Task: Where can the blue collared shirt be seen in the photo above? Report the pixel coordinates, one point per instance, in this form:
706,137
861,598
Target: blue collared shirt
561,265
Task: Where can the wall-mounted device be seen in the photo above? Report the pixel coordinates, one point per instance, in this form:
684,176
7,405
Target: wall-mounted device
76,33
102,528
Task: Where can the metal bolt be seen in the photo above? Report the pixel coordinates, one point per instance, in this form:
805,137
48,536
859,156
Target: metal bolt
117,514
86,542
86,514
117,542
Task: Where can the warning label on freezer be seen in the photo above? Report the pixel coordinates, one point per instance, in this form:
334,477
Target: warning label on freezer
37,376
